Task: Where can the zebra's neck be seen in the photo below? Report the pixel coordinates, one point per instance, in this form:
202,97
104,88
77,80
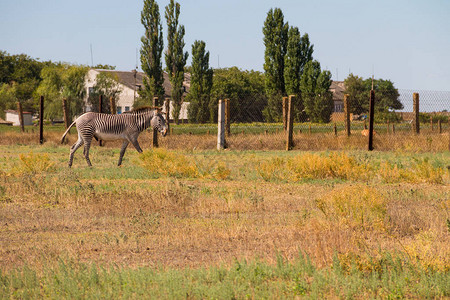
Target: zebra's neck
143,120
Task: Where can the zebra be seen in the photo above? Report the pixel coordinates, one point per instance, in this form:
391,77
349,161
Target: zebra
126,127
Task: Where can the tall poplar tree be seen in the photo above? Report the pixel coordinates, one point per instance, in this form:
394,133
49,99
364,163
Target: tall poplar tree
175,57
201,84
151,51
299,52
275,40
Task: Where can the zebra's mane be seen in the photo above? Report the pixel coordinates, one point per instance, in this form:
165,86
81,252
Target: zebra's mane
142,109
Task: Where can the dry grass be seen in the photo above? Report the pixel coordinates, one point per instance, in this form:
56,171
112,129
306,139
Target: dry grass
130,216
427,141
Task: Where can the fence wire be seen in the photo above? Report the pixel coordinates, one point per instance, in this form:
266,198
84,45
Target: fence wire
394,129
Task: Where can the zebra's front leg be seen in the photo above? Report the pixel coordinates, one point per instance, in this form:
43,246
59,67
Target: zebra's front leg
122,151
136,144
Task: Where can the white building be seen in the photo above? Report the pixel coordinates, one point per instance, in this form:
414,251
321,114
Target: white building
13,116
131,83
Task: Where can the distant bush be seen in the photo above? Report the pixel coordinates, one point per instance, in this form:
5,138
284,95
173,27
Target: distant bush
426,118
384,117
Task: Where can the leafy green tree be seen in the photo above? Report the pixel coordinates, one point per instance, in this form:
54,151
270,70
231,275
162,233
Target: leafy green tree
151,51
299,52
62,81
19,77
275,32
200,109
306,51
245,89
386,95
175,56
106,84
104,67
358,95
317,98
8,97
292,62
19,68
73,88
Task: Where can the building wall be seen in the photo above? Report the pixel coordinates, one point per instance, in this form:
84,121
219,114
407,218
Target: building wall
14,117
126,97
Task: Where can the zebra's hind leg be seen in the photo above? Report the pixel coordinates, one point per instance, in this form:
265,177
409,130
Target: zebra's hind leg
122,151
87,146
73,149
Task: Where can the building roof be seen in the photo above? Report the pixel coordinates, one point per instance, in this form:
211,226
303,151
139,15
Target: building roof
127,78
338,90
3,122
16,112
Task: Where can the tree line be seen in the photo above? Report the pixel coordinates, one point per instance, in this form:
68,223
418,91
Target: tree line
289,69
24,79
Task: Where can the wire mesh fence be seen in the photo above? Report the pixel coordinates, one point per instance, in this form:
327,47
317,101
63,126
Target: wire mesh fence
248,129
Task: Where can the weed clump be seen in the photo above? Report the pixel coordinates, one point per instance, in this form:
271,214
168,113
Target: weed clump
161,162
421,171
32,164
314,166
166,163
354,207
335,165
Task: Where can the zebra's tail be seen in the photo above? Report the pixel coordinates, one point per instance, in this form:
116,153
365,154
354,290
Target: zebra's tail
65,133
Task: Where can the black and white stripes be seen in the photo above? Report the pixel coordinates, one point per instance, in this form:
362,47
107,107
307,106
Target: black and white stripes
126,127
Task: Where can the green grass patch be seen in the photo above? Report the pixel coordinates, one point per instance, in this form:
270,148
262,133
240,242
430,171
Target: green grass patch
387,277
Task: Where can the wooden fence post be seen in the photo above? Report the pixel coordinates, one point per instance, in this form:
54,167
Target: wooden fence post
289,123
227,117
167,109
20,112
155,131
221,125
431,123
285,112
65,113
439,127
371,116
335,129
112,105
347,114
41,120
416,112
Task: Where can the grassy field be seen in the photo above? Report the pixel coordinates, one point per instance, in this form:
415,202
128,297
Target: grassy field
233,224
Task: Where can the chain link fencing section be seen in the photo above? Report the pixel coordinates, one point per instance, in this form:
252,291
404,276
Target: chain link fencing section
247,128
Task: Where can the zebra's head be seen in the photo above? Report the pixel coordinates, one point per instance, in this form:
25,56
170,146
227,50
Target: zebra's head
158,122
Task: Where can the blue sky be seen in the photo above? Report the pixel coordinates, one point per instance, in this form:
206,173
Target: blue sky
407,42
